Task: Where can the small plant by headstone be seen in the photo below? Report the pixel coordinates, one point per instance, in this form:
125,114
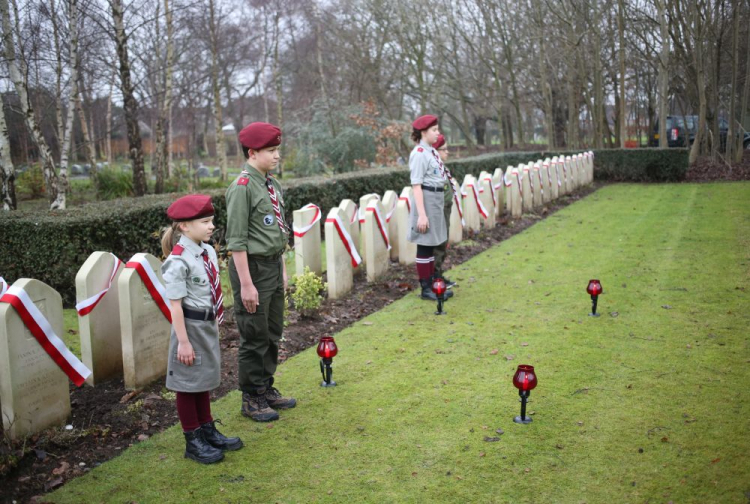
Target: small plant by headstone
307,293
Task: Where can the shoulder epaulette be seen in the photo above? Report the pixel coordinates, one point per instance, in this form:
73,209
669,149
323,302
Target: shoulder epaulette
420,149
244,178
178,249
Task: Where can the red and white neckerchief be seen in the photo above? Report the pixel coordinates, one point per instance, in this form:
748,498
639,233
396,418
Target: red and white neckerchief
3,286
381,225
362,210
346,239
446,173
557,171
301,231
492,189
42,330
213,279
275,204
390,212
87,305
549,176
480,206
159,294
408,203
443,170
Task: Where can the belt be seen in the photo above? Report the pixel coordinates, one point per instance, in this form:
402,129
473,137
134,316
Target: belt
268,258
433,189
198,314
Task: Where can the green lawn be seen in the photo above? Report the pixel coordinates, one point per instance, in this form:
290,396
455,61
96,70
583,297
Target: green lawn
649,402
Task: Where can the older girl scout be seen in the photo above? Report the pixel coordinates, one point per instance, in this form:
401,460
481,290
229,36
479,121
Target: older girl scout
257,236
191,275
428,226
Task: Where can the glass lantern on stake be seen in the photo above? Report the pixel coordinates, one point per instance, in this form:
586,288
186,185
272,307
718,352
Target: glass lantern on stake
327,350
438,288
524,380
594,289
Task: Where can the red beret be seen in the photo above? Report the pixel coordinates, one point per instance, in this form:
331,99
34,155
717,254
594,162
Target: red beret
259,135
440,142
190,207
424,122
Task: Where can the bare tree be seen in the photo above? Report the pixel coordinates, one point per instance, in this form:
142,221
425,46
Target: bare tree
7,170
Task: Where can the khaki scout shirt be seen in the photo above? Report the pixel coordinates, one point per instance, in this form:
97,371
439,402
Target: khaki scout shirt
424,167
251,221
185,275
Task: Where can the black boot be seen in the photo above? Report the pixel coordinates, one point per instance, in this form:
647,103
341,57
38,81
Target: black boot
198,449
448,293
427,289
219,440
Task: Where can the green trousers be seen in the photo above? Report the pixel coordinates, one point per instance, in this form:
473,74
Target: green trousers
441,250
260,332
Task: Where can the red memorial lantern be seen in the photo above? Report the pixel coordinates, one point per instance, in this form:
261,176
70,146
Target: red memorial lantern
594,289
439,288
525,381
327,350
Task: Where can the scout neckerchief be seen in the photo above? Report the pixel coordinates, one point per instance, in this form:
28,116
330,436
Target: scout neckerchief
275,204
447,175
213,279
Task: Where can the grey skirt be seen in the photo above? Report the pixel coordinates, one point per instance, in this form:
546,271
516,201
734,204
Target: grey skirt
205,373
437,233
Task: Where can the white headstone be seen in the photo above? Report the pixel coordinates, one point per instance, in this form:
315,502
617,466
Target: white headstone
471,212
307,248
101,345
499,185
34,392
390,199
570,183
145,329
376,250
363,202
485,195
508,189
455,229
516,209
339,270
547,194
554,189
351,215
407,251
527,192
536,180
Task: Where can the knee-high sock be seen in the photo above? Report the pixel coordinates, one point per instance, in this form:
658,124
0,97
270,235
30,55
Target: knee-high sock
425,266
187,411
203,407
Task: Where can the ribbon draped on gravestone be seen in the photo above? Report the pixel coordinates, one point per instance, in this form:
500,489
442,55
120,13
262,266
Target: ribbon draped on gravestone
346,239
549,176
381,225
301,231
492,189
87,305
362,210
159,294
539,176
41,329
557,171
390,212
506,178
408,203
480,206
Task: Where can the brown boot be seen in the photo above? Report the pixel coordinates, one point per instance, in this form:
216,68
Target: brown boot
277,401
256,407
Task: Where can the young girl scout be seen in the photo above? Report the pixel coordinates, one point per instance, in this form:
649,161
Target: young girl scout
191,275
441,250
257,236
427,223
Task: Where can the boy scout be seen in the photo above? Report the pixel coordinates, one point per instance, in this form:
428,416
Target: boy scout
441,250
257,235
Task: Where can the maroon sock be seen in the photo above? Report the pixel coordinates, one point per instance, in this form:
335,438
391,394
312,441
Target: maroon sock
425,267
203,407
187,411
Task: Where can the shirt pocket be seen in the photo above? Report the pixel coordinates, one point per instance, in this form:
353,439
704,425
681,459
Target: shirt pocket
196,361
265,214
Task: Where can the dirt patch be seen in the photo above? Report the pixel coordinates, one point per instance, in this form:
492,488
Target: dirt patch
108,419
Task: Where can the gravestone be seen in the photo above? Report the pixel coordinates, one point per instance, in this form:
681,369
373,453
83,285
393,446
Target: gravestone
547,194
339,269
563,174
508,185
351,216
145,329
456,229
536,172
485,194
101,345
375,234
554,189
527,189
499,185
407,251
591,167
469,203
390,198
34,392
517,191
363,202
307,247
568,175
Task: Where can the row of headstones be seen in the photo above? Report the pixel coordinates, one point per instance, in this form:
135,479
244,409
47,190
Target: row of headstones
127,334
483,199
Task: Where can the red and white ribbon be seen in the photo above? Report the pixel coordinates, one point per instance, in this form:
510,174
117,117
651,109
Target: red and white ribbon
408,203
519,180
531,179
506,179
381,225
492,189
346,239
480,206
3,286
139,263
549,176
457,202
87,305
301,231
557,171
390,212
40,327
362,210
538,170
565,171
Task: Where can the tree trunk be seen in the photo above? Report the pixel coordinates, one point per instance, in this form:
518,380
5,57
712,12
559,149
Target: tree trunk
732,130
698,62
90,149
218,119
278,85
7,170
60,122
622,118
60,201
17,71
161,144
743,106
130,103
663,73
108,120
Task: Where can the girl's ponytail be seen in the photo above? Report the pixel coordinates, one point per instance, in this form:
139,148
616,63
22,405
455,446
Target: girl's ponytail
169,237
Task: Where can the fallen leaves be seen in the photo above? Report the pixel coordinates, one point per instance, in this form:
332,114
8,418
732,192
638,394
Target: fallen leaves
61,470
129,396
494,351
493,439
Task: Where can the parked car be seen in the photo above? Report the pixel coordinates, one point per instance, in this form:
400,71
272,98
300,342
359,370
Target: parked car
681,132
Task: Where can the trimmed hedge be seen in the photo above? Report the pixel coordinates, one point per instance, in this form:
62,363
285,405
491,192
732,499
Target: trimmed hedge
51,246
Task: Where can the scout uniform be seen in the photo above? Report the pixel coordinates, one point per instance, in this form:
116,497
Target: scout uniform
256,226
191,275
441,250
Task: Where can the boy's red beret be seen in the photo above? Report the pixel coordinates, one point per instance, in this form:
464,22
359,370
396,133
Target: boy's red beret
190,207
440,142
259,135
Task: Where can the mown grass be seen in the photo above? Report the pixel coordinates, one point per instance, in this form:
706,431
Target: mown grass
650,402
